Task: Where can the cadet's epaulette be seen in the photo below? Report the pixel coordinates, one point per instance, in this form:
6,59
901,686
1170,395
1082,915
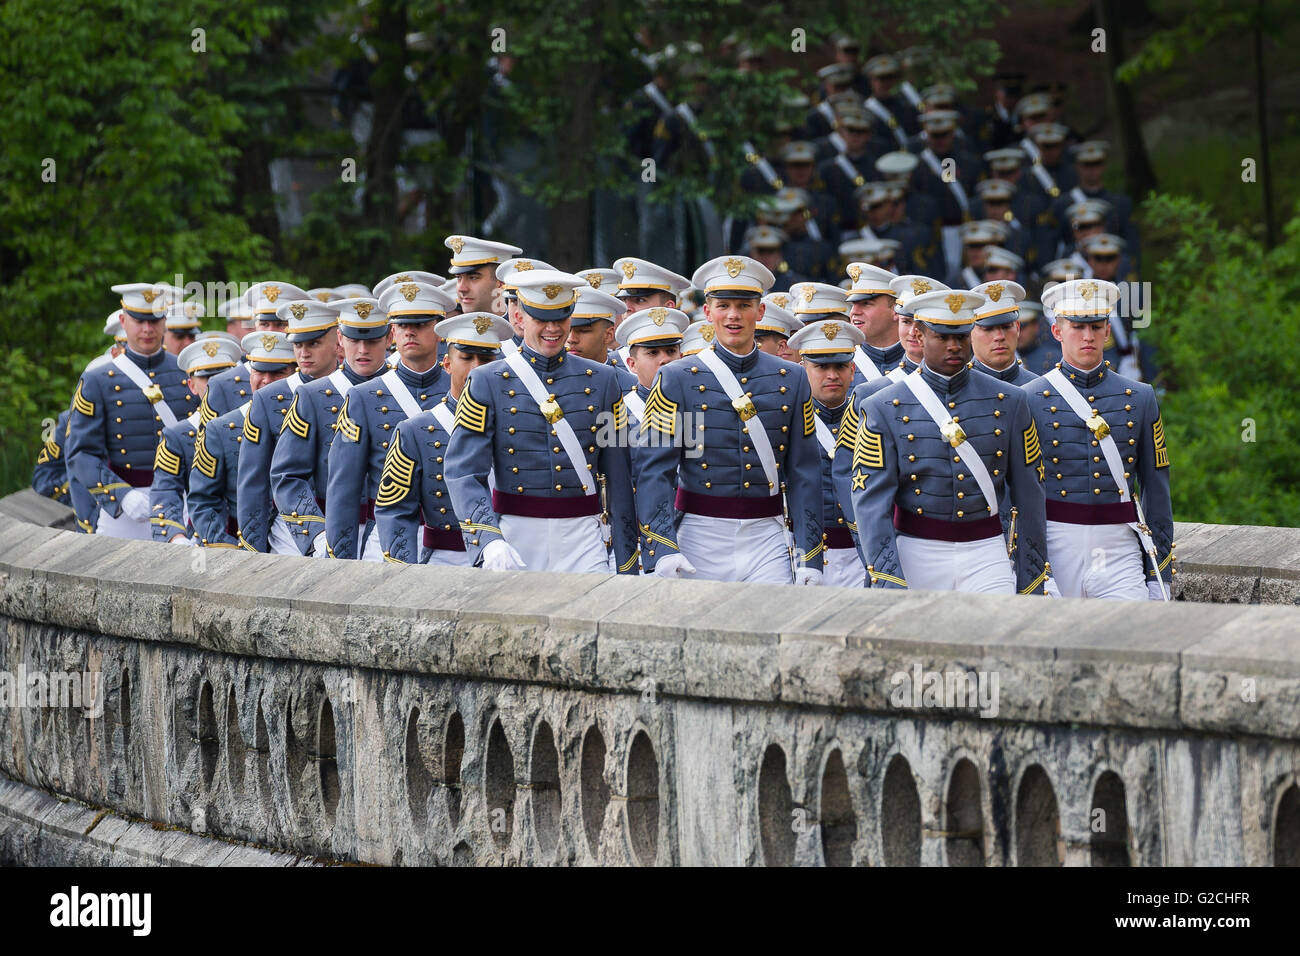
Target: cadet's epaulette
80,404
206,412
165,459
203,460
346,427
809,418
293,421
848,428
660,413
470,413
251,432
395,480
869,449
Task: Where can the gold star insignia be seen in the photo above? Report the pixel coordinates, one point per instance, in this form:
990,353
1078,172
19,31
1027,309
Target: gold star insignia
859,481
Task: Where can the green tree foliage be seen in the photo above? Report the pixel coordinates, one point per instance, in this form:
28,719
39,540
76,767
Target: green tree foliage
1225,317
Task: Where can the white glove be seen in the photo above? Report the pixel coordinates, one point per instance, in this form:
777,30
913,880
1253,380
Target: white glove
1153,591
318,546
499,556
180,539
135,505
673,566
1050,588
1129,367
807,576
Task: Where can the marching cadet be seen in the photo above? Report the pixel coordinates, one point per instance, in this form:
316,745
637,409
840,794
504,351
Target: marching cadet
645,285
168,495
871,311
313,336
50,476
214,472
1089,168
300,464
934,455
473,266
598,279
898,118
373,409
996,333
119,411
1050,171
182,324
849,163
697,337
1002,265
902,290
238,313
505,276
765,244
323,294
1104,433
1037,355
411,275
826,347
232,387
773,331
952,193
591,332
761,449
653,338
413,497
520,418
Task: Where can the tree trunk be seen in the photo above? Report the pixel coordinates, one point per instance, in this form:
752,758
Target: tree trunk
1261,106
1139,177
568,223
388,85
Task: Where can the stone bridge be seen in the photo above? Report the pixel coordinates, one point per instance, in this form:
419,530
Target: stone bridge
269,710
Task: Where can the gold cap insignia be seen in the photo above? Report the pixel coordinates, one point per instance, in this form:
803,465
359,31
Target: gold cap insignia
1087,290
268,341
272,292
594,279
994,291
658,316
552,290
706,333
734,267
402,278
363,310
629,269
212,348
149,295
781,300
298,309
920,287
410,291
523,265
323,296
855,272
808,293
830,330
955,302
456,243
482,323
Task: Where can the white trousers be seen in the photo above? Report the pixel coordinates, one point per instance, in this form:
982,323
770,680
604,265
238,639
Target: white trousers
557,544
735,549
844,569
439,557
368,546
981,566
1096,560
123,527
279,540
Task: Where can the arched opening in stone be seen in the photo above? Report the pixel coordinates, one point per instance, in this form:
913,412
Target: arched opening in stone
453,752
209,744
327,759
594,791
262,747
1286,829
419,783
1038,822
499,785
124,713
236,752
839,828
1108,822
900,815
643,799
777,820
544,777
295,758
964,826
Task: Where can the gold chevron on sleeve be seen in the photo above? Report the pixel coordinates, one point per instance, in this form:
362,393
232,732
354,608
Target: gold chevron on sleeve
397,476
848,429
620,415
203,460
470,413
1158,440
660,413
251,432
294,422
809,418
869,449
80,404
1032,448
349,429
206,411
165,459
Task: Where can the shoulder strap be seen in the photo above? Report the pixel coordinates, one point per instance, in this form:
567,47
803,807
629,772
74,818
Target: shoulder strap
958,191
969,456
1077,195
762,165
849,170
908,90
444,416
866,232
824,437
401,393
294,381
341,382
552,412
882,111
896,374
635,404
744,407
867,367
837,141
969,275
152,391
